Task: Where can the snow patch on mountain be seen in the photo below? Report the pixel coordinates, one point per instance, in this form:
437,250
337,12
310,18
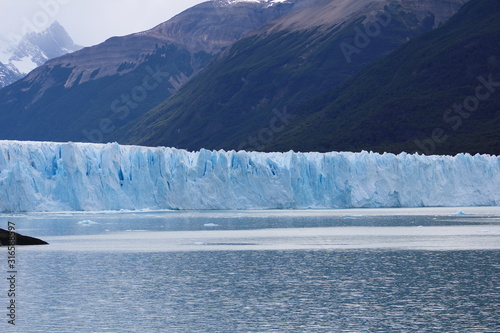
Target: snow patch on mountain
32,51
24,65
44,176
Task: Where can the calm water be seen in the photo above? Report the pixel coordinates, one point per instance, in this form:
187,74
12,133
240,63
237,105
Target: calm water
318,271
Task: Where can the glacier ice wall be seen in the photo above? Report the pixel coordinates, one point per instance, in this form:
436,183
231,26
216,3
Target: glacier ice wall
44,176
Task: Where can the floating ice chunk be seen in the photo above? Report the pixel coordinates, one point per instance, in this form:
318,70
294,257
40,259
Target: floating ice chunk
461,212
86,223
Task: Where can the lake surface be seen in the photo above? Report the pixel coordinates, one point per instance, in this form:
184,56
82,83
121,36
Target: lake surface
402,270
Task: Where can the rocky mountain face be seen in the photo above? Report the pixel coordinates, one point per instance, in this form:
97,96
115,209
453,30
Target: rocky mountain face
99,89
250,94
8,75
437,94
34,50
202,30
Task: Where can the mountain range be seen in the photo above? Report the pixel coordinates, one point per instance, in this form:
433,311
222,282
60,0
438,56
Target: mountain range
32,51
309,75
85,95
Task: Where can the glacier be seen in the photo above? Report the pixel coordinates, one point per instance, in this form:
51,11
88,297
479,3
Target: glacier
49,177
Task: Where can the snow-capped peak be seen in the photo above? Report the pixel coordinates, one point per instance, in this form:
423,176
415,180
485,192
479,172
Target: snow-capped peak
33,50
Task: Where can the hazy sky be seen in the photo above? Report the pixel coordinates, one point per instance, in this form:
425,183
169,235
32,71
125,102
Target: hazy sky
88,22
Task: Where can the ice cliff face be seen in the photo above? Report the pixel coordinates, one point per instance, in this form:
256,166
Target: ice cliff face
38,176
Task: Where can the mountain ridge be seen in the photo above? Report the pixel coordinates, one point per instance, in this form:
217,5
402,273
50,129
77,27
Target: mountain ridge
174,31
235,96
33,50
120,79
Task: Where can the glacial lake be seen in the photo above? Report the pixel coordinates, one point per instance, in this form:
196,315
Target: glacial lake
366,270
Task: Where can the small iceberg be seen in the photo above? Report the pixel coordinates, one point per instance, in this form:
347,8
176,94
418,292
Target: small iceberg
461,212
210,225
86,223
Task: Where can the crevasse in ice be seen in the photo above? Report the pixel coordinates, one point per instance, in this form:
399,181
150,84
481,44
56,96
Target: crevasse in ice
45,176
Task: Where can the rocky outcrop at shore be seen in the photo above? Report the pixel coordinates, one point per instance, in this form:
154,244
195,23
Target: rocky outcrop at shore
8,238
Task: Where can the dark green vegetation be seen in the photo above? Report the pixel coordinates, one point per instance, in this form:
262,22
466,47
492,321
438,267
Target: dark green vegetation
92,110
399,103
428,96
229,103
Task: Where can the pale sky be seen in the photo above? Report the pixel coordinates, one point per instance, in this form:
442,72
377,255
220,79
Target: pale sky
88,22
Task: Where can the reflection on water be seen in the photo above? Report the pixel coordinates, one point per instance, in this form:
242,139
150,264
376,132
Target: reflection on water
160,272
261,291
